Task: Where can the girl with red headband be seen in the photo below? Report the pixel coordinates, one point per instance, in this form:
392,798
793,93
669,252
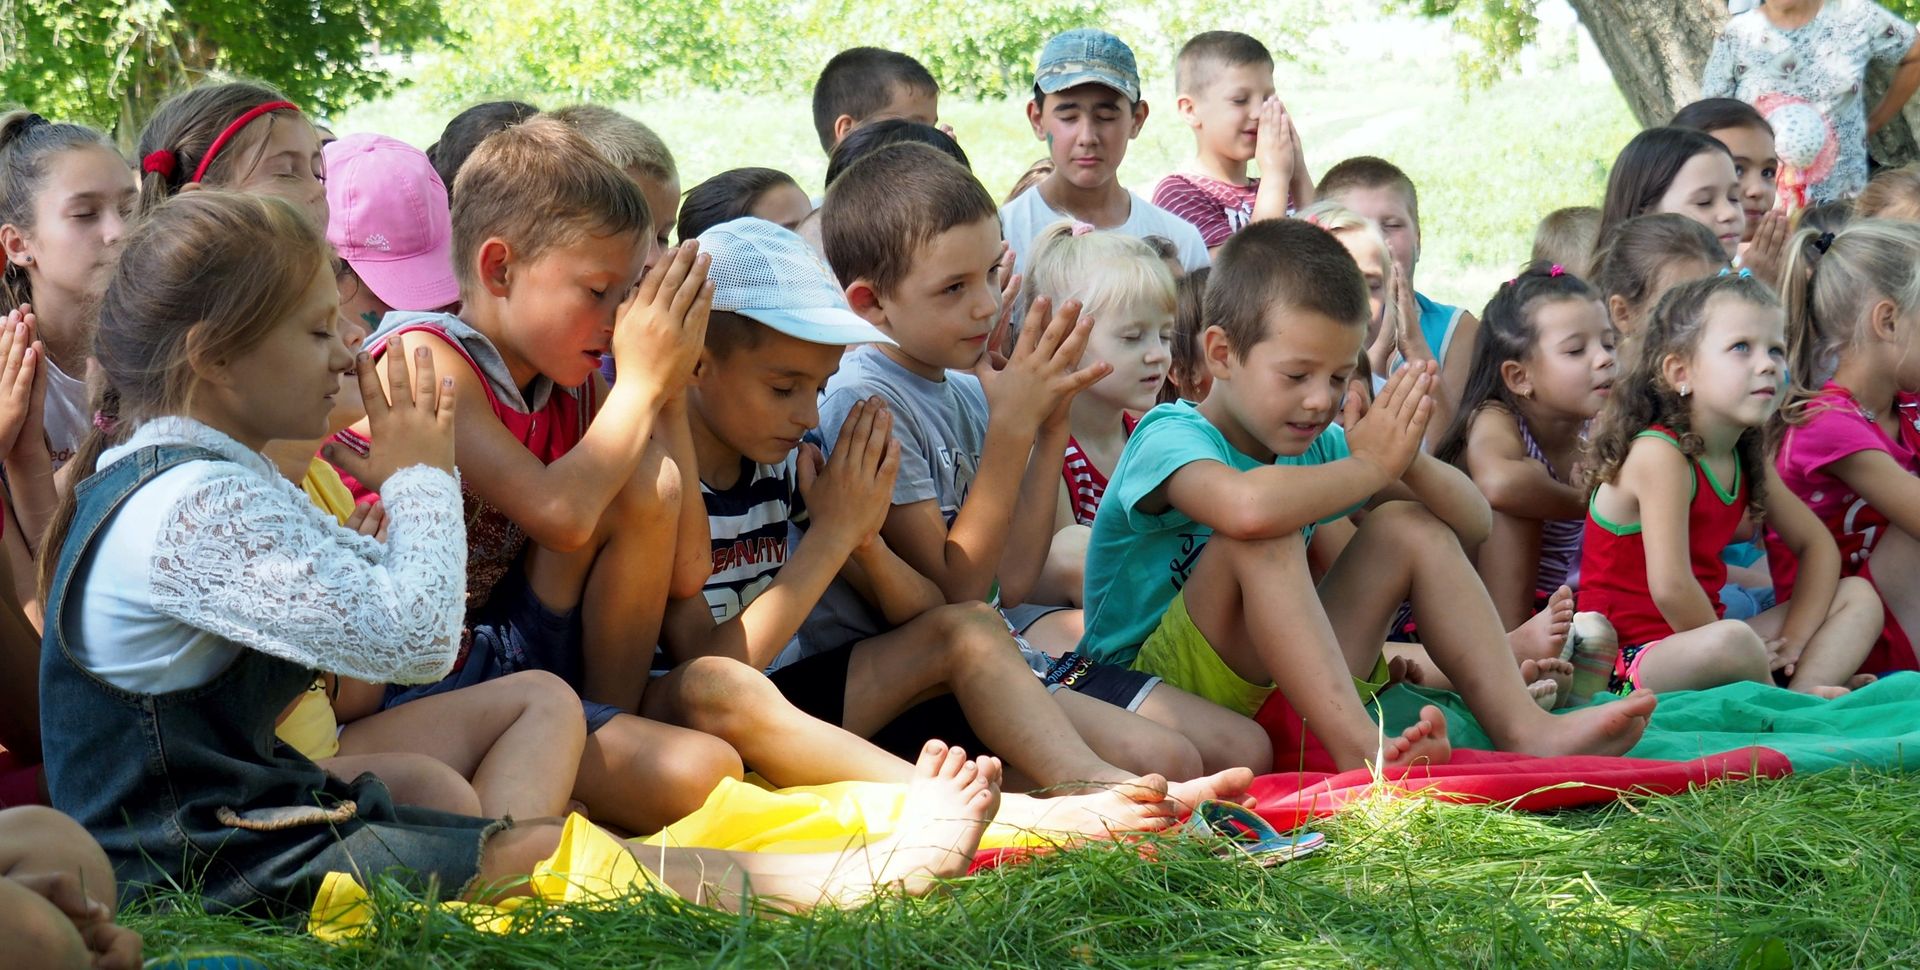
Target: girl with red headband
240,136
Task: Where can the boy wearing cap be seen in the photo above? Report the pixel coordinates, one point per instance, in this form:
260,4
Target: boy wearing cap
1086,106
776,334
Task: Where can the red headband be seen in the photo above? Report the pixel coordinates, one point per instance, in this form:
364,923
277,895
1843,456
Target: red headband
200,171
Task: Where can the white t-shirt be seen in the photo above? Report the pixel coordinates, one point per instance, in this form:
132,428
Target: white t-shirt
1022,219
66,416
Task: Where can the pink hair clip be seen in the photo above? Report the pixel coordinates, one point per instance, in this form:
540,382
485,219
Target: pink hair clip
104,422
1082,228
1556,270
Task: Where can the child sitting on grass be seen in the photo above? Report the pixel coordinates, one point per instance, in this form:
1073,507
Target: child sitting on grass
778,329
1849,450
172,622
1679,461
1543,369
1225,82
1208,517
913,239
1087,107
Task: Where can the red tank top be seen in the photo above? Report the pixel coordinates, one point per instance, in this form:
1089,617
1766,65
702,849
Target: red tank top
1613,559
1086,483
494,542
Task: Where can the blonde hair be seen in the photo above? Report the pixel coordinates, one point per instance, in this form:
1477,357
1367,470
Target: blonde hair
1892,194
1103,270
1333,216
626,143
1829,295
1566,238
206,276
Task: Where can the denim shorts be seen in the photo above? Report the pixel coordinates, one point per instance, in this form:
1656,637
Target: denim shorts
514,631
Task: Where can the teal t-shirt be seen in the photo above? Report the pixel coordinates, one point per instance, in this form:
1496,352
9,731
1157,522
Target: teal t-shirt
1136,562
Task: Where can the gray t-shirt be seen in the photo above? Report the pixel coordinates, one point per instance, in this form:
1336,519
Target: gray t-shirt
941,427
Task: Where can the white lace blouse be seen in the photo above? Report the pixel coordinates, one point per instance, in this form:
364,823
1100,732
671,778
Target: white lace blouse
212,556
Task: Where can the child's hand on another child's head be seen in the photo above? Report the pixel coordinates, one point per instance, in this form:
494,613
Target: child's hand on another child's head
1044,373
19,370
411,423
851,492
662,327
1766,256
1389,436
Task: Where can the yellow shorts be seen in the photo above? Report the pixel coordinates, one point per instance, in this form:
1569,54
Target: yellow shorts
1178,653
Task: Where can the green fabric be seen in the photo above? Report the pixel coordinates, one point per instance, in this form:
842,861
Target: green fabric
1876,726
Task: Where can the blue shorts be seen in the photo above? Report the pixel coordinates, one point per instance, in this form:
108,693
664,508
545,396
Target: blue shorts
514,631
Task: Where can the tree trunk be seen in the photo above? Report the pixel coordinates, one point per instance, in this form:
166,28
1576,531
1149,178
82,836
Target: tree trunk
1657,51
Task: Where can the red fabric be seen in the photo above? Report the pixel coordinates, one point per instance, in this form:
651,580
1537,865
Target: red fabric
1613,568
1085,482
1894,650
19,781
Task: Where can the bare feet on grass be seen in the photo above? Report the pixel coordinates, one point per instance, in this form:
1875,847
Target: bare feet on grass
1545,633
948,804
1145,804
1424,742
1549,681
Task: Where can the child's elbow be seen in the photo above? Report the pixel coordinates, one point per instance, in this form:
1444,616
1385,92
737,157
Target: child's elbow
1476,524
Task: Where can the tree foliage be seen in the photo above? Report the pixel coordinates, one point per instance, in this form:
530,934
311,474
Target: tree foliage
108,63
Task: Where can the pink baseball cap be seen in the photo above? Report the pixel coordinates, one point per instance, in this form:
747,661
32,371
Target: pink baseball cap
388,218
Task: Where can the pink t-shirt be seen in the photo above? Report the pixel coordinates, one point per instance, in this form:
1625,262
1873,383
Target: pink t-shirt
1218,209
1838,427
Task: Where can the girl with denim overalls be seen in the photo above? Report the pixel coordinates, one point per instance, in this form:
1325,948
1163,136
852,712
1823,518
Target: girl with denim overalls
194,592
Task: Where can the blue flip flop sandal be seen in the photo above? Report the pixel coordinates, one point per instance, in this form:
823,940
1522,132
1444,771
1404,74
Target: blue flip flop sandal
1247,833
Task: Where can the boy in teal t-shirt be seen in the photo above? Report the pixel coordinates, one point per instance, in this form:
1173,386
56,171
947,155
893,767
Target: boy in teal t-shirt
1197,568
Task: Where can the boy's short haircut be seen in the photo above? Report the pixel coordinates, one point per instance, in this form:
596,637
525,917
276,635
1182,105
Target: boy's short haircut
1567,238
867,139
468,129
889,204
1368,172
1282,263
859,81
626,143
1202,58
538,185
728,332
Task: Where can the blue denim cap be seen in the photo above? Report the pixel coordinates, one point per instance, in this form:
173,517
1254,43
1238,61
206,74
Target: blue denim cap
1087,56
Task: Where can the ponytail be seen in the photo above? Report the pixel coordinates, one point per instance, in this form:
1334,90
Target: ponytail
1833,281
190,133
1804,352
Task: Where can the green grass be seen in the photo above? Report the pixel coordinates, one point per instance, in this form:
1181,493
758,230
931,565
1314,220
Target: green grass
1814,871
1489,163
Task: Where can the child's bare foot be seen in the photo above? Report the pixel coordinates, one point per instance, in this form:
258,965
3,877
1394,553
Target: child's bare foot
1609,729
1544,693
1553,671
1425,742
1228,786
1545,633
948,804
1139,805
1826,692
1858,681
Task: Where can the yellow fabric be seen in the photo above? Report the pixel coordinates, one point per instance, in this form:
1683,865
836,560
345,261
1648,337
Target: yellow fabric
310,728
323,485
589,865
1178,653
1371,685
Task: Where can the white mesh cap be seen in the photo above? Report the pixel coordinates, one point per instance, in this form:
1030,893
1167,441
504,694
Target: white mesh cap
762,271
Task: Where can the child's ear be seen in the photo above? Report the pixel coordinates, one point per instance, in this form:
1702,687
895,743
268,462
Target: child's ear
1673,369
491,267
206,370
1139,118
841,126
1515,377
1183,106
1884,319
1215,351
1033,118
14,244
865,301
1620,313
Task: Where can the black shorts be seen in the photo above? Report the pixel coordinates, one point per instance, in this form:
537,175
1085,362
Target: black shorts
817,685
1123,687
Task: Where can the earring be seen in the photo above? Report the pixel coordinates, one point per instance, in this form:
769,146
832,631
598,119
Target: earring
1685,390
27,259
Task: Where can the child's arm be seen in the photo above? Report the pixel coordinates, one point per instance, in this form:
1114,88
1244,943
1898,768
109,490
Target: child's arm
1282,170
1513,483
881,577
1660,478
1446,492
693,553
1892,491
1818,577
1031,538
845,504
1277,500
660,332
1454,371
964,560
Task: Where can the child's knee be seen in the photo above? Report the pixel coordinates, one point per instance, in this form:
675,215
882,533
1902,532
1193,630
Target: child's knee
694,765
35,934
1245,745
1732,645
1857,596
1411,525
968,632
720,695
1257,554
552,704
1166,753
419,780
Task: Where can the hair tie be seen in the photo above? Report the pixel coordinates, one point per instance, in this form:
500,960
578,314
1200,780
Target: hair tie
1082,228
1745,273
162,163
1823,242
233,129
1556,270
105,423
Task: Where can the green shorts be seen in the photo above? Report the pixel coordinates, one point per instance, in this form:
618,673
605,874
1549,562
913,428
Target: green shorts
1178,653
